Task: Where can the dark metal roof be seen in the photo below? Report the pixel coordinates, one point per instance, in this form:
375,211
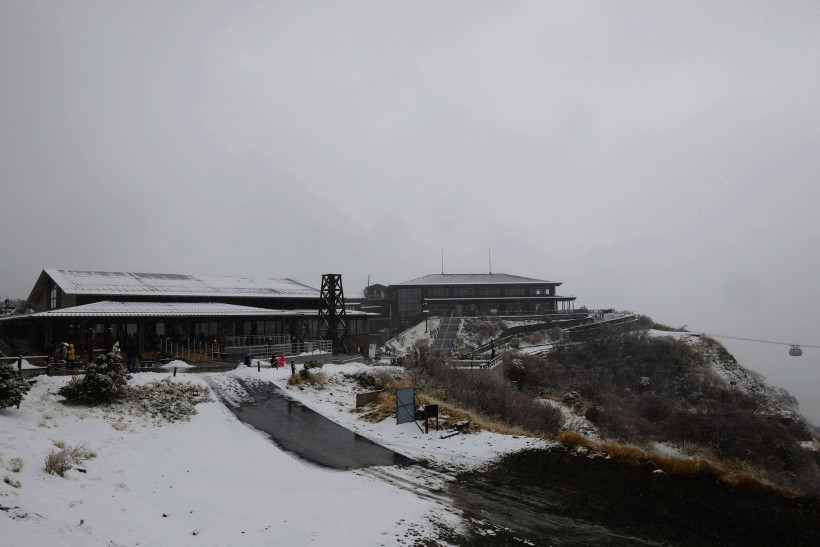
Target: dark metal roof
458,298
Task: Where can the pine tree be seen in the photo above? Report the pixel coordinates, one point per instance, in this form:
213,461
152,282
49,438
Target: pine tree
104,381
12,386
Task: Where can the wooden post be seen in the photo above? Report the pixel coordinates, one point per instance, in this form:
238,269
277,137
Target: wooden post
258,366
90,335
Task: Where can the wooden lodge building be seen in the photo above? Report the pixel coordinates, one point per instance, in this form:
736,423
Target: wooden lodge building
69,305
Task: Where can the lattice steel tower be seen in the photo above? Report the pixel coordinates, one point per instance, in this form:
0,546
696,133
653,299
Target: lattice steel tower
332,314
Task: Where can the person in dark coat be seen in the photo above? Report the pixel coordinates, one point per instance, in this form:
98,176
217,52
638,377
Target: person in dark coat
131,353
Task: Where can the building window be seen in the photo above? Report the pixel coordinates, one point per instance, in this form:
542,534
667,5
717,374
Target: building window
438,292
491,291
465,292
514,291
355,326
52,298
409,301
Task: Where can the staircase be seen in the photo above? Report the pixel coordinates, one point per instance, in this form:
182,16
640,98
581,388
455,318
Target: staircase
446,335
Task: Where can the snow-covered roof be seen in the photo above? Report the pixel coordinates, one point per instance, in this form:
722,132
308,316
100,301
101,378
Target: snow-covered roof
153,284
176,309
475,279
485,298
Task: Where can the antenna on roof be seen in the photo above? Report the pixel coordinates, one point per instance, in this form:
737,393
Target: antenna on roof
442,261
490,259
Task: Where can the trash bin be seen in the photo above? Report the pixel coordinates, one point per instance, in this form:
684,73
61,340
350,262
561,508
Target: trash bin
248,359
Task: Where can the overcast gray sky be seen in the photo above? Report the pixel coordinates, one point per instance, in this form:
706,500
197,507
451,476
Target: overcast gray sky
655,156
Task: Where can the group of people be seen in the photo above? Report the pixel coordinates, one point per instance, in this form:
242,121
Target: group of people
64,353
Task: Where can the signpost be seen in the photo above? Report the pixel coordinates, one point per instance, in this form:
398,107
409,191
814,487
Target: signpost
405,405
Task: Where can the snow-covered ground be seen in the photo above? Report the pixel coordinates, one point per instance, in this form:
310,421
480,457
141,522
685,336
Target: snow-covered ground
407,338
214,481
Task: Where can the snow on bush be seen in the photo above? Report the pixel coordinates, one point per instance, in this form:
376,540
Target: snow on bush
166,400
104,381
12,386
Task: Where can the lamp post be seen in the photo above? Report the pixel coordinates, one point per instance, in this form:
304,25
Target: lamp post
425,310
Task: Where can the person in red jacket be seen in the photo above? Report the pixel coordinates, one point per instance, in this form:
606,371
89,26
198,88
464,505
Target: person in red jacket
281,359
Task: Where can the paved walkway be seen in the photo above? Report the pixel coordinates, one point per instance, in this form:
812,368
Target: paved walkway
305,433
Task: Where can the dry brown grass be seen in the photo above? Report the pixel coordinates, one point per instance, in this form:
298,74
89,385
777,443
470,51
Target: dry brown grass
754,482
624,453
573,439
318,379
737,474
688,467
385,407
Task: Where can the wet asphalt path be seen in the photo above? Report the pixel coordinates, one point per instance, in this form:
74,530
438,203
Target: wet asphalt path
305,433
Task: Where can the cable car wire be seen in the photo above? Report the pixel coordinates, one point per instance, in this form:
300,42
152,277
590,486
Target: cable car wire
760,341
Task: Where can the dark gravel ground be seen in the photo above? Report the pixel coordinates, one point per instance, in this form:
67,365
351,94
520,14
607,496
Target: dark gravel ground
554,497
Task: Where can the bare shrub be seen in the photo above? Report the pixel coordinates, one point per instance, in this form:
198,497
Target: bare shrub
490,394
483,328
536,338
372,379
11,481
15,465
312,364
318,379
654,408
60,461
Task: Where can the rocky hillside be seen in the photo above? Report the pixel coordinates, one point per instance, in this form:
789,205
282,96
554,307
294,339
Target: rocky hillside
666,392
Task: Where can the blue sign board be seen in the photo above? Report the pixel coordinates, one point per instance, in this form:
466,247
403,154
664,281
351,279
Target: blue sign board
405,405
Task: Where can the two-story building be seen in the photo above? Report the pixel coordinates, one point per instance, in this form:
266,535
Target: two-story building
476,294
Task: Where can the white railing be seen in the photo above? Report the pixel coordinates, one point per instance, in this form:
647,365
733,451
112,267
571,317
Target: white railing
191,348
304,347
255,340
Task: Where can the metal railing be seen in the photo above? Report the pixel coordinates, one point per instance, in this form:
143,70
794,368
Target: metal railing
255,340
195,350
191,349
304,347
5,349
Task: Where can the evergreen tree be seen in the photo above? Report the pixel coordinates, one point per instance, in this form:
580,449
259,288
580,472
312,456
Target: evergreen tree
104,381
12,386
